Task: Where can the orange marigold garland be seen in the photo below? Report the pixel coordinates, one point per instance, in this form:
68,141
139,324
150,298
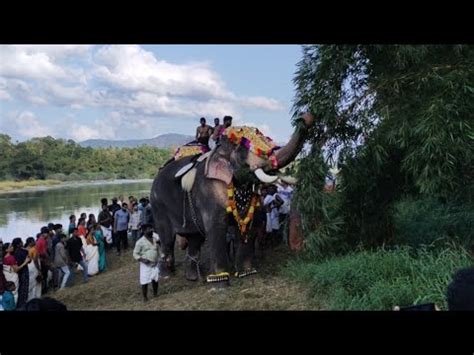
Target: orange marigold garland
232,208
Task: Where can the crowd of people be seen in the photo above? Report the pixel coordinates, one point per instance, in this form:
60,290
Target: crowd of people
34,267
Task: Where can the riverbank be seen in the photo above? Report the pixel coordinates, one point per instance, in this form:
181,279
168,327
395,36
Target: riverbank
9,186
119,289
41,185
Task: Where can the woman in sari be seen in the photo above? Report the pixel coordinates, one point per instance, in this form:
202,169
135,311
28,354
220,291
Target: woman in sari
92,254
21,254
90,222
34,270
99,237
12,270
81,227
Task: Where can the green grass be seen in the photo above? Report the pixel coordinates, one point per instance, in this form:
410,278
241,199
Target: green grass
14,185
380,280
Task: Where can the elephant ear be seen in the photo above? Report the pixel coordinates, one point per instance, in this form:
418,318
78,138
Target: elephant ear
218,165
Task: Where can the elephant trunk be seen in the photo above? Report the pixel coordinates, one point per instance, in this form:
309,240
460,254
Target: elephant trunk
288,153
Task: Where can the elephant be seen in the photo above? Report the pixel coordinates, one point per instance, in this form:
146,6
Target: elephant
195,205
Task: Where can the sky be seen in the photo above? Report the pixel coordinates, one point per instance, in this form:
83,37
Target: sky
115,92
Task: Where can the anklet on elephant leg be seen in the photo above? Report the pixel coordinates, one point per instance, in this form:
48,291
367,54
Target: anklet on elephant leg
245,273
223,276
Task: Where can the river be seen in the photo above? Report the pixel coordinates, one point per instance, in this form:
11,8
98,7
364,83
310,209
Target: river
23,213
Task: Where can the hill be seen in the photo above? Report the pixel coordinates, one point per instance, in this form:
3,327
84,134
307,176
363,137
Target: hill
162,141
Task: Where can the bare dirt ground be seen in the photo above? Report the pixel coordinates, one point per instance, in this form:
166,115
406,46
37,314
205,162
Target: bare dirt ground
118,289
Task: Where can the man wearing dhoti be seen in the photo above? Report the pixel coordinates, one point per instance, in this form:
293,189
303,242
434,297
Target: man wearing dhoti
146,252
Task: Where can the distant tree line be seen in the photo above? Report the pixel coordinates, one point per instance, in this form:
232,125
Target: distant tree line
49,158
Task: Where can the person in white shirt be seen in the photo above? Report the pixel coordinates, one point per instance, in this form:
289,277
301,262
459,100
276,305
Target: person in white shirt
272,202
146,252
285,191
134,223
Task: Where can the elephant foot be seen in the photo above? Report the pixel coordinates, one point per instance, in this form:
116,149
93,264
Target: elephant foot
222,277
191,272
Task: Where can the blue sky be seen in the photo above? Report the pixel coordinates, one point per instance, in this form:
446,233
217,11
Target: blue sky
126,92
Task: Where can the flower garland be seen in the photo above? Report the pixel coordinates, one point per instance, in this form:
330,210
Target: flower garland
232,208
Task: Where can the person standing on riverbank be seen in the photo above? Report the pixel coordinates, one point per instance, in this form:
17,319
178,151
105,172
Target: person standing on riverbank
121,219
81,227
42,249
134,224
105,221
77,255
21,256
99,237
90,222
2,276
34,270
72,224
146,252
61,261
7,298
103,201
114,207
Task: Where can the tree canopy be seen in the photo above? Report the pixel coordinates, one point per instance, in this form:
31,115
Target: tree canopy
398,120
46,157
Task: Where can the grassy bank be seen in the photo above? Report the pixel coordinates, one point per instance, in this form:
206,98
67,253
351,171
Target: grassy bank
379,280
15,185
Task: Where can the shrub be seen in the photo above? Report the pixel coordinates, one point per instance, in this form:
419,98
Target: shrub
428,221
381,279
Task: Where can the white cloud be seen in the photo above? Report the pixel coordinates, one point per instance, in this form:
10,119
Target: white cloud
21,89
158,87
134,68
24,124
37,100
5,95
262,103
22,62
98,130
62,95
131,84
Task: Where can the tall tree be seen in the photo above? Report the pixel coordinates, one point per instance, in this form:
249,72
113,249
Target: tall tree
403,109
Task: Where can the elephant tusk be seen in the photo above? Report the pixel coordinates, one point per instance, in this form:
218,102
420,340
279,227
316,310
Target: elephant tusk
289,179
263,177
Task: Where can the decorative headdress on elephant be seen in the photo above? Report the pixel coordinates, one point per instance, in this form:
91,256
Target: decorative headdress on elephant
247,148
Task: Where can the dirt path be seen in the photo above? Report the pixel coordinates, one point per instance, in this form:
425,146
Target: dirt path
118,289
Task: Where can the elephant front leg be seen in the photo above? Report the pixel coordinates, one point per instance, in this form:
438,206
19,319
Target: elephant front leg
167,259
219,262
245,257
